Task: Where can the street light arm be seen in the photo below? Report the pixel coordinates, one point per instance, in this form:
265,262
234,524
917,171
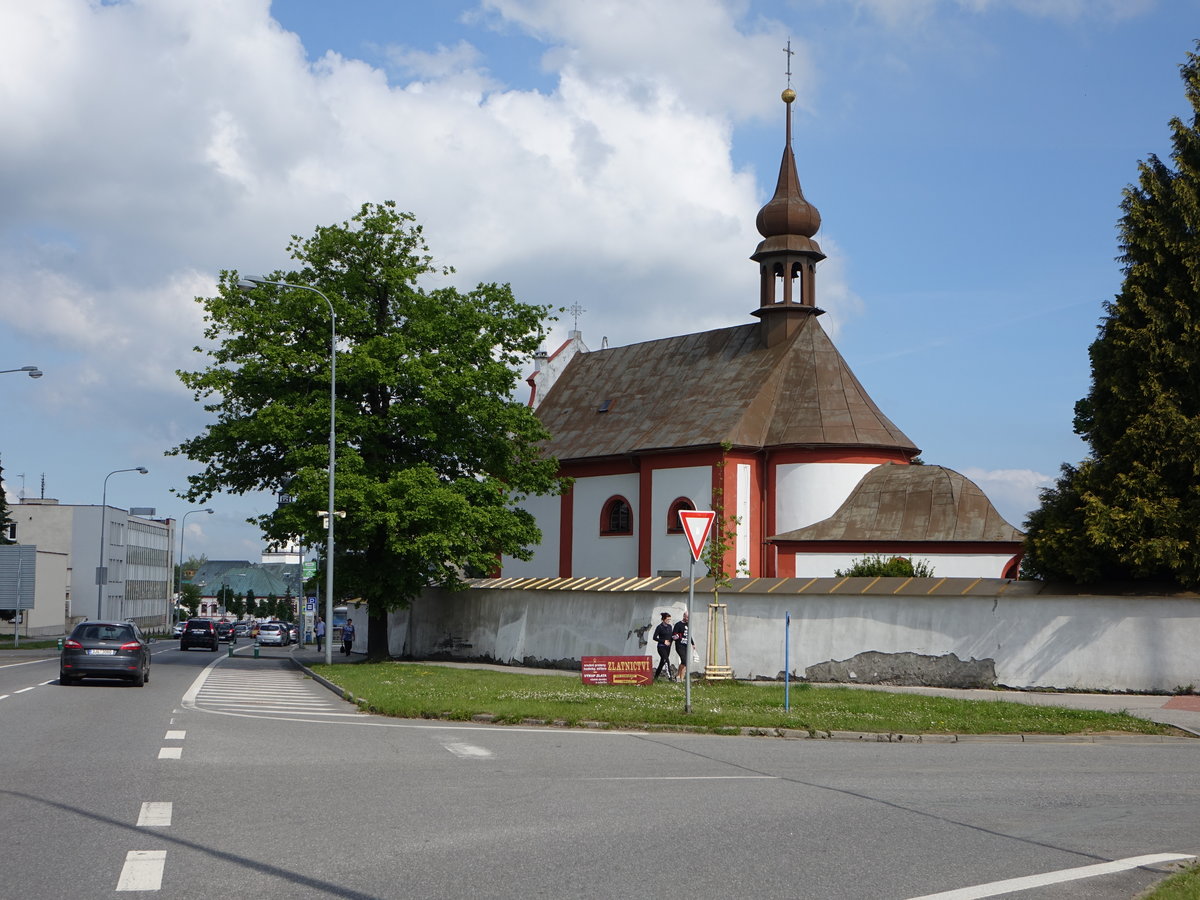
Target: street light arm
248,283
101,573
33,371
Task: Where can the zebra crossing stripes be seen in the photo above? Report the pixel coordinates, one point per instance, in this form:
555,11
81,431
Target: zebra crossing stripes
275,692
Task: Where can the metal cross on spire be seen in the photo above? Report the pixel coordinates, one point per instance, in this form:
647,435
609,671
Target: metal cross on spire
576,311
790,53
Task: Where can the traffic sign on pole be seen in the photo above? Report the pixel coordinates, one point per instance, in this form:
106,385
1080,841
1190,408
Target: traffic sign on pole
697,523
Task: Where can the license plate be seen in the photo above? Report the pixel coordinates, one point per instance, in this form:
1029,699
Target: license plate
102,652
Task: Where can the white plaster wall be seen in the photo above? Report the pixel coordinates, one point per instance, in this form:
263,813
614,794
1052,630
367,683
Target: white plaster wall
669,552
809,492
742,543
944,565
591,553
1035,640
544,563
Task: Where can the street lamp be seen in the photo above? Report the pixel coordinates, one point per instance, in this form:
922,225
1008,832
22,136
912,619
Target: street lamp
34,371
101,570
248,284
182,531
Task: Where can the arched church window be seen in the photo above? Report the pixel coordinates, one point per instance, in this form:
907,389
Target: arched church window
616,517
674,526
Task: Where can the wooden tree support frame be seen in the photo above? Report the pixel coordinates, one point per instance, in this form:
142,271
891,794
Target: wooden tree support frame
716,665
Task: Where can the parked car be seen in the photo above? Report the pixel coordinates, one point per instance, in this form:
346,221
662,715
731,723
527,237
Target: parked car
177,630
105,650
225,632
272,634
199,633
243,629
293,632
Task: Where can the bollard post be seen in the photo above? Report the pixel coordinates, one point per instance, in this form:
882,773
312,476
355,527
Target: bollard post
60,643
230,649
256,651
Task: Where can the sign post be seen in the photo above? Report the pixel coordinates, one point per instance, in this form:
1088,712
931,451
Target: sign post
787,668
697,523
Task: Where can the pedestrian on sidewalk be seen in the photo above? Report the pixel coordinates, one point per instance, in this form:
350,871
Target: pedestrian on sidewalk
347,636
683,645
320,633
664,637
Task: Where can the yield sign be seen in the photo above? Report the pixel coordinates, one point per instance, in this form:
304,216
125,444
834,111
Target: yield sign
697,523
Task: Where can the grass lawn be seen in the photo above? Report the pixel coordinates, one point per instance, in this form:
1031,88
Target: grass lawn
415,690
1182,886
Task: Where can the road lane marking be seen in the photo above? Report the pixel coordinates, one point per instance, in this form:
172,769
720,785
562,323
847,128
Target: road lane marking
684,778
170,753
155,814
23,690
467,751
4,696
175,736
1030,882
143,870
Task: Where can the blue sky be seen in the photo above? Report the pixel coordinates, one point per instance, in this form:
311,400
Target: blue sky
967,158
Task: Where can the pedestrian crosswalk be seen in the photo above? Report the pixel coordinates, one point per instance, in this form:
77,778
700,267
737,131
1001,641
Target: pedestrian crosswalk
257,687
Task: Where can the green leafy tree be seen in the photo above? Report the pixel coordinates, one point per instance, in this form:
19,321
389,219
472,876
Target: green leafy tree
886,567
190,597
1132,508
433,452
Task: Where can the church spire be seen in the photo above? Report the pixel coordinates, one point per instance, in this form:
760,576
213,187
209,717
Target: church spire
787,256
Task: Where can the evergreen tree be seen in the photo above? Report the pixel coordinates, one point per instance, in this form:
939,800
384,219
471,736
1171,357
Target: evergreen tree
5,519
1132,508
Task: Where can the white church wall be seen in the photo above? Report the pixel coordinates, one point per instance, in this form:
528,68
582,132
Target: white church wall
944,565
1102,642
610,554
809,492
669,552
544,563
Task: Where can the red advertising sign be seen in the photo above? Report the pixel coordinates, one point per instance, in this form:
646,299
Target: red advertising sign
617,670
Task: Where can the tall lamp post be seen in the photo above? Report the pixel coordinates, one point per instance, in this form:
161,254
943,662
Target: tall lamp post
182,531
247,284
101,569
33,371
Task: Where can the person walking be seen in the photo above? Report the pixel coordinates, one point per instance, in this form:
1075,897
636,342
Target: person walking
683,645
320,629
347,636
664,637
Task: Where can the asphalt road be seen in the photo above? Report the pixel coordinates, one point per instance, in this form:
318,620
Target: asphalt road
252,780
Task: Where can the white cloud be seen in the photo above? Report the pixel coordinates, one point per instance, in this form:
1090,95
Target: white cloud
1014,492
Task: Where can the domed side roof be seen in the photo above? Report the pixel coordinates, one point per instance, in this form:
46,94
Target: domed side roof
896,502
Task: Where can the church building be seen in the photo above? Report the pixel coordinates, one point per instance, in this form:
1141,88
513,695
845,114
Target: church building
763,422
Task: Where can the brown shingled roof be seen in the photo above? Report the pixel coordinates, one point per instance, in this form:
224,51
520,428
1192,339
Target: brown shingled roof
911,503
699,390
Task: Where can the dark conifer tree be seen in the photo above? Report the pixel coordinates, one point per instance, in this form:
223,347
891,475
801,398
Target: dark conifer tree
1132,508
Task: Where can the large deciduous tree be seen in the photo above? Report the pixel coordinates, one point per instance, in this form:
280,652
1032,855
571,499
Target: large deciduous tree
1132,508
433,452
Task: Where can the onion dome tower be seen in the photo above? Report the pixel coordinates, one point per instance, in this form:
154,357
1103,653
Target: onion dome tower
787,256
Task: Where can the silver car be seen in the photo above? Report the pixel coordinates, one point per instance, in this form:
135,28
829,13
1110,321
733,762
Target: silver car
272,633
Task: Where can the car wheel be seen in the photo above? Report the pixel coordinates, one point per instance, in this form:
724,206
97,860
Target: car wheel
146,676
65,680
139,679
182,645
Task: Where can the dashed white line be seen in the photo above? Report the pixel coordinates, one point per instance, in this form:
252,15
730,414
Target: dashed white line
175,736
4,696
980,891
143,870
155,814
23,690
467,751
170,753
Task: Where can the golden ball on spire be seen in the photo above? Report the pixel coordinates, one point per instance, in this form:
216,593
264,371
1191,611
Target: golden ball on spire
788,95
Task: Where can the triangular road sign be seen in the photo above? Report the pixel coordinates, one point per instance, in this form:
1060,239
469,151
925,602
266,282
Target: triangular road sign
697,523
